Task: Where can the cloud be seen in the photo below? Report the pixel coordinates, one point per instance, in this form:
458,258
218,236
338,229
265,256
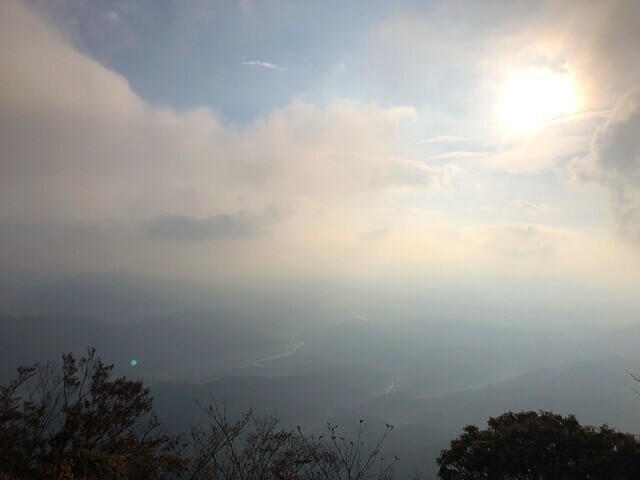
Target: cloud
614,162
375,234
83,152
608,44
74,129
521,241
523,206
459,154
402,172
444,139
541,151
458,69
270,66
217,227
599,55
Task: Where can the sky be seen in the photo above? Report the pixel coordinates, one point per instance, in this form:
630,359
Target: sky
406,143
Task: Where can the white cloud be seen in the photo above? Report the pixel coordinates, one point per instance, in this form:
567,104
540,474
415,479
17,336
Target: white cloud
270,66
459,154
541,151
87,166
614,162
484,46
444,139
522,241
81,150
530,208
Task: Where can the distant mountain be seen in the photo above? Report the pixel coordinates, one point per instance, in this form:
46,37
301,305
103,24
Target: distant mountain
310,399
431,356
419,374
123,297
623,341
212,343
597,392
111,296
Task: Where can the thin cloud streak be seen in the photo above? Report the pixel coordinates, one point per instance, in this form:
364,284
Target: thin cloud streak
268,65
460,154
444,139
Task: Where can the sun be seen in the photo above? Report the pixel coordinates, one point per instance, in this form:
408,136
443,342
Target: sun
533,97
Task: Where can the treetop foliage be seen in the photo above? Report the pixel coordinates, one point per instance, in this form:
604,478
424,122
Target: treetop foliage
75,421
540,445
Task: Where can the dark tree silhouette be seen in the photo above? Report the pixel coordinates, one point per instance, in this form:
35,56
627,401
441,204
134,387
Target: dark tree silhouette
544,445
75,421
252,447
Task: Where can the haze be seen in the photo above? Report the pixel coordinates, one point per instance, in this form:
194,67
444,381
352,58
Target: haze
299,167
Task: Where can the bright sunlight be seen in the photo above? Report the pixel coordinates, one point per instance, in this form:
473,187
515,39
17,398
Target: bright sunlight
533,97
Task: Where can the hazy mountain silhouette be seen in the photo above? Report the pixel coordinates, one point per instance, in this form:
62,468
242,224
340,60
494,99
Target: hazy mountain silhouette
123,297
159,344
598,392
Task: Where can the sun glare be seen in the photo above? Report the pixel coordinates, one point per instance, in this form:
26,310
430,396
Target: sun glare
533,97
